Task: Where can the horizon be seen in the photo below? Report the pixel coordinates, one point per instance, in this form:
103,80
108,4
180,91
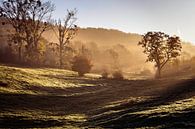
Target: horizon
114,29
134,16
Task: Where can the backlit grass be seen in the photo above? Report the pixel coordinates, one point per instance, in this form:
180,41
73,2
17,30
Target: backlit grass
18,79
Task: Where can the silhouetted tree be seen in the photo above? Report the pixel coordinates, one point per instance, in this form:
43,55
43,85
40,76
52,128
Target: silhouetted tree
66,31
29,19
38,21
160,48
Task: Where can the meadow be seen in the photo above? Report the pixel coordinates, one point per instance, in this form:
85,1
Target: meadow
56,98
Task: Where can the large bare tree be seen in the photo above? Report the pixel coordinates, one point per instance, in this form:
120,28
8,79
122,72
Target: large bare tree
160,48
66,31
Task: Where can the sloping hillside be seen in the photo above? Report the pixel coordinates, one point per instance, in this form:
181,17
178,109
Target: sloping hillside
53,98
110,37
101,36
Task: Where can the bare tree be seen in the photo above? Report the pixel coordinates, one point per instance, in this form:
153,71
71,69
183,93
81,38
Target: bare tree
160,48
66,31
29,19
38,21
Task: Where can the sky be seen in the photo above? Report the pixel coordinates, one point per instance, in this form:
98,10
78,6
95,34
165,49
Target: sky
174,17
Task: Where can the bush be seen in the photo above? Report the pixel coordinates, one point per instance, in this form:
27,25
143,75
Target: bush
81,64
105,74
117,75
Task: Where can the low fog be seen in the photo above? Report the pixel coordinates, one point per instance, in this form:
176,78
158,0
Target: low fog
108,51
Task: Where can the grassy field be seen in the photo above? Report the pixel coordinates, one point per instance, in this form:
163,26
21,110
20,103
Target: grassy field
53,98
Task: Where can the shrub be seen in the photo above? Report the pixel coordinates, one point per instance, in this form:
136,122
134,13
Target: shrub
81,64
105,74
117,75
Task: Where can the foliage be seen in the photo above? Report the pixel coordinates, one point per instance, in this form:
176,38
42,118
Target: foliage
105,74
30,19
118,75
37,58
81,64
160,48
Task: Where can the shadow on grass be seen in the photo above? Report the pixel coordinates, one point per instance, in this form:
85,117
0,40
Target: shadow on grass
58,102
23,110
184,119
22,122
82,100
124,116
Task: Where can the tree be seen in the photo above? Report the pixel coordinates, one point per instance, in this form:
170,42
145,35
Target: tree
118,75
66,31
160,48
38,21
11,11
29,19
81,64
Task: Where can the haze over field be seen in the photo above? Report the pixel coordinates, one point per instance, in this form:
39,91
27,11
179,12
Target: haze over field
124,23
110,38
133,61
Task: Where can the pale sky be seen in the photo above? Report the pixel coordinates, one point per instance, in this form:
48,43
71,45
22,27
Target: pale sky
134,16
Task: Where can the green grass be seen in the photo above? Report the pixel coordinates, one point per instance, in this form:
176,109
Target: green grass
56,98
175,107
18,79
36,82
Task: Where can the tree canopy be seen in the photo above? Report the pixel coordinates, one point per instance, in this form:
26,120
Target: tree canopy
160,48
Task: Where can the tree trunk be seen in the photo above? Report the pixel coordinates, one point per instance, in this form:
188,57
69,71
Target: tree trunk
158,74
60,60
20,54
61,63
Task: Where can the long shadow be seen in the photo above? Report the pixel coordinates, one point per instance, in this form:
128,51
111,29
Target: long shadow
78,99
53,103
185,120
47,105
74,98
23,122
57,101
59,104
123,119
58,97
